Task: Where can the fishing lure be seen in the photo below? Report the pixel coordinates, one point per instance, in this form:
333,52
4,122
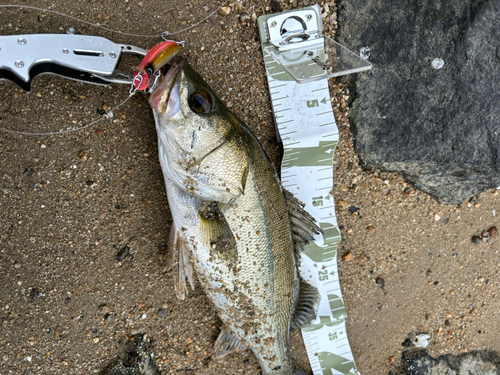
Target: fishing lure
158,56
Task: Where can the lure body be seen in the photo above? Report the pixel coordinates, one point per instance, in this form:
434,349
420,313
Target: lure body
157,57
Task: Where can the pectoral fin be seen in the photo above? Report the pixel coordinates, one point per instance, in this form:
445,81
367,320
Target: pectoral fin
307,305
227,343
304,226
181,266
217,234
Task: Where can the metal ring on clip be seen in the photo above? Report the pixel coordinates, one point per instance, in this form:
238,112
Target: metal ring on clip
302,36
133,86
181,43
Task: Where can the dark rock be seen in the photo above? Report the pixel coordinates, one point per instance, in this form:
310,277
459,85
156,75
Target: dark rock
134,359
477,240
380,282
35,292
122,254
419,362
406,344
162,313
439,126
353,209
275,6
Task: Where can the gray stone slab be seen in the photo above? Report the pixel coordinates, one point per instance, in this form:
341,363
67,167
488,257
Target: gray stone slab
430,108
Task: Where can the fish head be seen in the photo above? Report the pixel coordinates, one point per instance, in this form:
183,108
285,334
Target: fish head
187,109
181,93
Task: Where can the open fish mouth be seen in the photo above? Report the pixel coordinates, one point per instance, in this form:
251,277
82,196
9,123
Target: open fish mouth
161,98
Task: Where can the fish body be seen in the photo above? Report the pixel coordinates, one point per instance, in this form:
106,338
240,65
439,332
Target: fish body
233,221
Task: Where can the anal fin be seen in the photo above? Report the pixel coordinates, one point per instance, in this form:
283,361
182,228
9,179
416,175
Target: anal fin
307,305
227,343
181,266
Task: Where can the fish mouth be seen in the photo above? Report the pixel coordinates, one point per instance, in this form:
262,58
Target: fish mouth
161,94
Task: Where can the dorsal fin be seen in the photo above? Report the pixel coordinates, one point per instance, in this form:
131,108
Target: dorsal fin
307,305
304,226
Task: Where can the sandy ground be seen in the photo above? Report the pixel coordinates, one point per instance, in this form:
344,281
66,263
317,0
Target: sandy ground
72,204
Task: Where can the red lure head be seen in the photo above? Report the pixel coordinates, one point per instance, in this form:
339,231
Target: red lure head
158,56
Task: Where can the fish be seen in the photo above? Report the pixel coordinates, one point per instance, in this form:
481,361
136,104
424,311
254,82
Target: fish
234,225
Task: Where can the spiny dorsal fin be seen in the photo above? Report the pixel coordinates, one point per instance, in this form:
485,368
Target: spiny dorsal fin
307,305
227,343
304,226
181,265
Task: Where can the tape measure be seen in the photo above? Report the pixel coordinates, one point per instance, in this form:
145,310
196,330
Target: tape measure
304,120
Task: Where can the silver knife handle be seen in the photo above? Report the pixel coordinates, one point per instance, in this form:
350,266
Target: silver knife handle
94,55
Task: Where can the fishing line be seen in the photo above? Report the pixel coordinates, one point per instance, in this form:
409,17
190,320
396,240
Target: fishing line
108,114
162,35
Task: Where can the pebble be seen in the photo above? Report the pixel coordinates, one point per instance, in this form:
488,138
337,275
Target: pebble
406,343
342,204
122,254
162,313
224,11
422,340
493,232
380,282
135,331
476,240
96,339
348,256
370,228
275,6
103,309
17,266
244,17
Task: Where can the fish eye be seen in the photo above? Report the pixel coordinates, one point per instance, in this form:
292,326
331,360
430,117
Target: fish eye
200,102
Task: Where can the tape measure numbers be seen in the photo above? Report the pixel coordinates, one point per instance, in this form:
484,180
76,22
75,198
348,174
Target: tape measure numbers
305,122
